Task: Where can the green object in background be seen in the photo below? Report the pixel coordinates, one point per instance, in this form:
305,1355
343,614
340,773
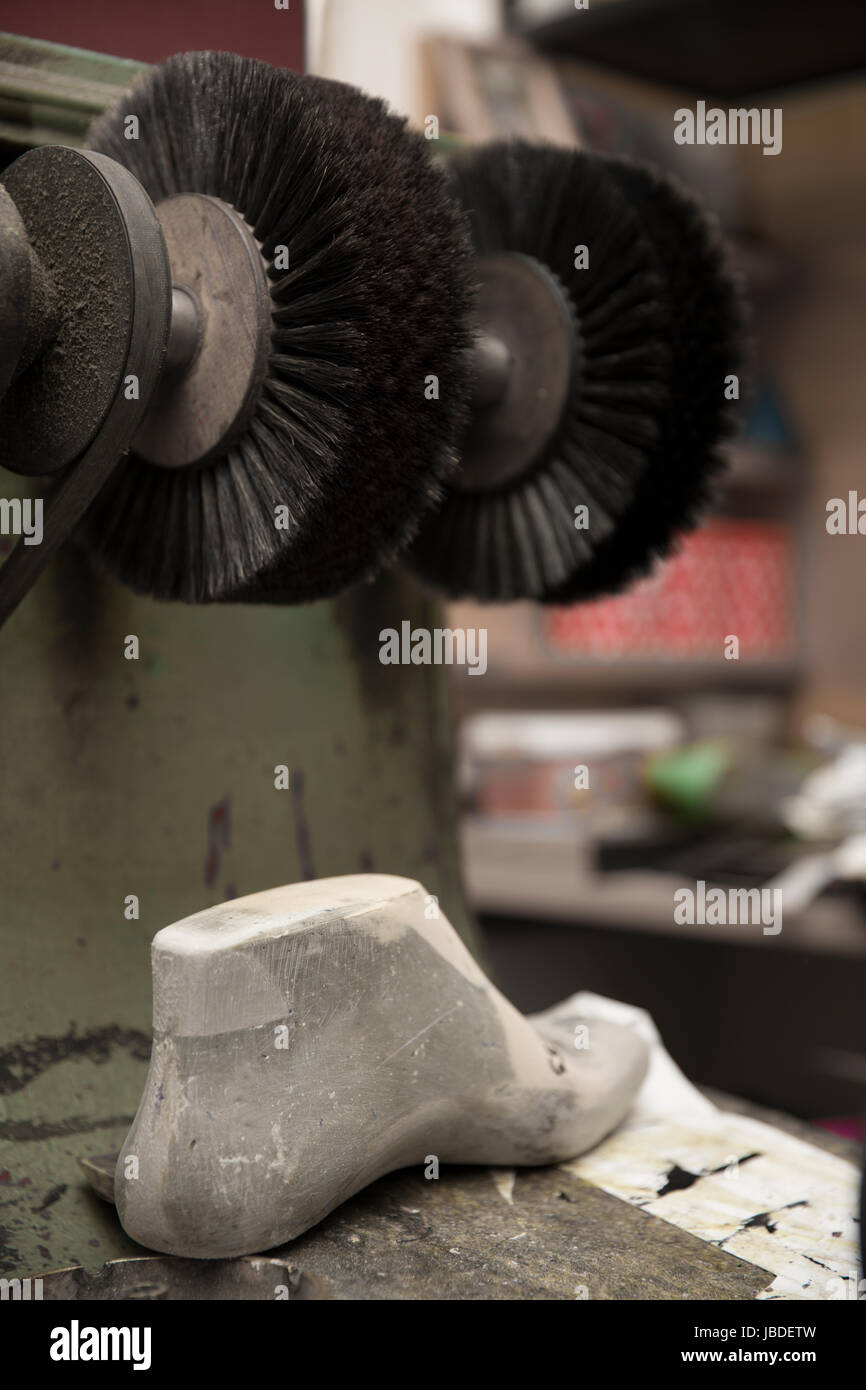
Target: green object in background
687,780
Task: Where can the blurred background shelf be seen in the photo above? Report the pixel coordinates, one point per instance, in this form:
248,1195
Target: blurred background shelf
519,870
727,48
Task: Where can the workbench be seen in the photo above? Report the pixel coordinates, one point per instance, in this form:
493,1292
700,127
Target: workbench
473,1234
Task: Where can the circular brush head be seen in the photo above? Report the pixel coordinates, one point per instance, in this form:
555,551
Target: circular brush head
339,434
706,318
655,322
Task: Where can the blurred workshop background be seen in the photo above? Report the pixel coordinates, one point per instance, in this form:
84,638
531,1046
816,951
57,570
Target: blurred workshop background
617,751
613,752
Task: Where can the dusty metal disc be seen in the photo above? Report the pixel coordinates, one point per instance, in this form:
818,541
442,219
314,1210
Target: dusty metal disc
206,402
522,306
90,224
14,287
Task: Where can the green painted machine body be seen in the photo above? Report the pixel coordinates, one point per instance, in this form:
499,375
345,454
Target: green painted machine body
139,788
137,791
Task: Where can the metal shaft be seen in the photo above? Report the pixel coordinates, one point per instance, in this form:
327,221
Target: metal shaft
185,334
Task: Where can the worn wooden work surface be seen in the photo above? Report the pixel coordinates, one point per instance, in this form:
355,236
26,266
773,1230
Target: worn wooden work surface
471,1234
552,1237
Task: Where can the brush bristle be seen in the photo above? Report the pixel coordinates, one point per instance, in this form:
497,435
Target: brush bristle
377,299
656,339
707,345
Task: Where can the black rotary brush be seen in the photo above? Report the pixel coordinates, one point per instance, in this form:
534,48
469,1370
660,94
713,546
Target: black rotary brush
604,289
296,450
706,342
286,355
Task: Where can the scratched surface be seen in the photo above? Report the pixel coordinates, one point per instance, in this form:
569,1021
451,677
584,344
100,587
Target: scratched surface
537,1234
779,1195
478,1233
155,778
472,1234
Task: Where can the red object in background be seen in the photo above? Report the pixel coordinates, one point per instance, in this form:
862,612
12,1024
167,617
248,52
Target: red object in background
731,577
151,32
849,1127
526,787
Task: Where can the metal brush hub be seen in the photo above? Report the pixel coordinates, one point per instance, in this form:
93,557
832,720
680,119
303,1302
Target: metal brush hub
220,335
100,350
525,365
